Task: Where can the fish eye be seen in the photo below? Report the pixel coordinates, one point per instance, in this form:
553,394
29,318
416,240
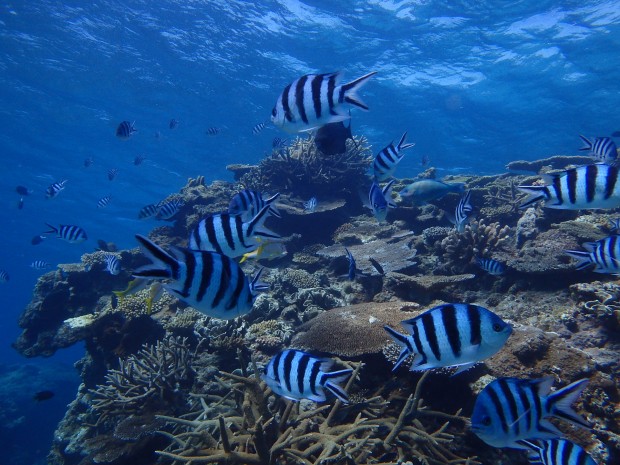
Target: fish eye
497,327
274,112
486,421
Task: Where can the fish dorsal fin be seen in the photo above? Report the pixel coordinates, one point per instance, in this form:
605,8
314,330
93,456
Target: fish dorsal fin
542,386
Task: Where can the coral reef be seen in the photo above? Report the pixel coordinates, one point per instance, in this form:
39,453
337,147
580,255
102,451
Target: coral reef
556,162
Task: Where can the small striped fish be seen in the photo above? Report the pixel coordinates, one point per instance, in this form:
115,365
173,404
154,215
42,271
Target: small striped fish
603,149
148,211
278,143
556,452
68,232
352,265
313,100
125,130
310,205
248,203
380,200
604,254
112,264
104,201
508,410
584,187
40,265
167,210
212,131
258,128
4,276
462,212
387,159
112,173
54,189
451,335
209,282
297,375
491,266
229,235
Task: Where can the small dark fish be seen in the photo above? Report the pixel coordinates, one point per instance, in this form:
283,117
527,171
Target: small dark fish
212,131
112,173
21,190
88,161
37,240
20,203
125,130
173,123
43,395
377,266
139,159
352,265
257,129
331,139
425,160
40,265
157,135
4,276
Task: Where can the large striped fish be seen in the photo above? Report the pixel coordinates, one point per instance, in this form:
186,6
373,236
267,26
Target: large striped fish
604,254
451,335
298,375
603,149
508,410
584,187
248,203
556,452
68,232
209,282
462,212
387,159
313,100
229,235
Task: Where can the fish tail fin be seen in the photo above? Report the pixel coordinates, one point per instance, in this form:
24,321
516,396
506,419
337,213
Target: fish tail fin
163,264
587,145
348,91
256,227
401,340
257,286
401,145
536,193
53,229
332,383
584,258
560,403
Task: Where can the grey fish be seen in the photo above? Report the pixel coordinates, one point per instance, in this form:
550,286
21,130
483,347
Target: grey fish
428,189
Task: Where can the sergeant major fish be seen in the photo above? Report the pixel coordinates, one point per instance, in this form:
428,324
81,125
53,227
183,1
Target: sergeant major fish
209,282
462,212
168,209
67,232
509,410
313,100
125,130
104,201
39,265
248,203
387,159
112,264
603,149
451,335
491,266
4,276
310,205
54,189
604,254
380,200
428,189
556,452
229,234
298,375
148,211
585,187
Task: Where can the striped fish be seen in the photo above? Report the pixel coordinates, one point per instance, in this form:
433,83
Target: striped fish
112,173
148,211
603,149
258,128
67,232
167,210
125,130
462,212
352,265
248,203
604,254
112,264
313,100
584,187
173,123
297,375
40,265
387,159
556,452
229,235
380,200
4,276
104,201
212,131
451,335
310,205
209,282
491,266
54,189
508,410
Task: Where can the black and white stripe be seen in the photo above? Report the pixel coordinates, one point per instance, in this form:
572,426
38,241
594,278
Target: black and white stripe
148,211
4,276
462,212
451,335
249,202
298,375
40,265
387,159
603,149
509,410
104,201
229,235
112,173
68,232
54,189
556,452
211,283
168,209
125,130
604,254
491,266
586,187
312,101
113,264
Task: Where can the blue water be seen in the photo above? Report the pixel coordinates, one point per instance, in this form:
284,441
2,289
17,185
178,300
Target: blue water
475,85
